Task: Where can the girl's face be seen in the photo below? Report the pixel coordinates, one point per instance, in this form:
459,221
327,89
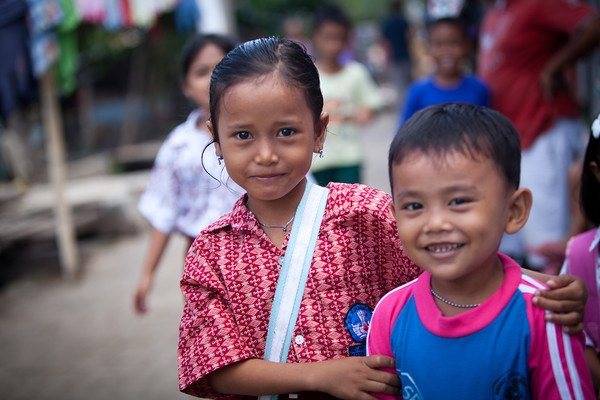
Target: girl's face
197,81
267,137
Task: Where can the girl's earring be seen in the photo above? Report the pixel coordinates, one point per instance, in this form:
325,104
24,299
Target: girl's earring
219,159
321,153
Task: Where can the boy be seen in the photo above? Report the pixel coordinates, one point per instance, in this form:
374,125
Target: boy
450,49
454,173
350,97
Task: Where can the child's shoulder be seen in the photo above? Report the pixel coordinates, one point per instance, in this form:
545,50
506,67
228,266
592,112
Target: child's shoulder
475,81
584,242
357,197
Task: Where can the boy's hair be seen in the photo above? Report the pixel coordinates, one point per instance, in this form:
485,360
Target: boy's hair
195,45
261,57
456,21
590,187
465,128
331,13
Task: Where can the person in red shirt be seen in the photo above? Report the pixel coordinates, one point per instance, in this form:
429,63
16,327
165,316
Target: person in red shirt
527,51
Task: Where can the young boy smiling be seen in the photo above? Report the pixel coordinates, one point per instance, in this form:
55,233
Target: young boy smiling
467,328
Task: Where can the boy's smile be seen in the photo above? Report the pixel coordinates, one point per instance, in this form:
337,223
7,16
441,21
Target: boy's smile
452,211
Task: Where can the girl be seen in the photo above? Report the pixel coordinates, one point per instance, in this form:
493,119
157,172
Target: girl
583,251
267,122
183,195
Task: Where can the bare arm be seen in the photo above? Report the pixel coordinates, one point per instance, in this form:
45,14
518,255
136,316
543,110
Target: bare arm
158,242
581,42
348,378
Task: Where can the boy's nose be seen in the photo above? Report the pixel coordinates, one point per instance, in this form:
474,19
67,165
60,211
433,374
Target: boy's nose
437,222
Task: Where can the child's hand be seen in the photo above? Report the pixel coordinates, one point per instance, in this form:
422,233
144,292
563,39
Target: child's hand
355,377
566,298
139,298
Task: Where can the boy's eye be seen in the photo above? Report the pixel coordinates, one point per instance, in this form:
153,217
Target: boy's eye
286,132
244,135
412,206
458,201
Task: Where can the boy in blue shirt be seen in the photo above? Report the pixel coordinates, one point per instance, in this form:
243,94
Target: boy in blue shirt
449,48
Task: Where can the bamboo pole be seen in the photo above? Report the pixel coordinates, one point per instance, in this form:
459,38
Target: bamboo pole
53,127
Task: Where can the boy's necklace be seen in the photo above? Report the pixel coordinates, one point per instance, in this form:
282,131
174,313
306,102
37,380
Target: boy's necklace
283,227
451,303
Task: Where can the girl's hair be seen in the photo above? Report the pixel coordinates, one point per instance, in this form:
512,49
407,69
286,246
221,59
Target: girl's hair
590,187
261,57
465,128
195,45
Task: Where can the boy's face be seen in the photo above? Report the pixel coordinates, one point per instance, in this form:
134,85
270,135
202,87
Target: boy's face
330,39
449,48
452,212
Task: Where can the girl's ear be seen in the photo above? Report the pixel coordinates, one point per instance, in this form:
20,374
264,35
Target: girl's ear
211,129
320,132
518,213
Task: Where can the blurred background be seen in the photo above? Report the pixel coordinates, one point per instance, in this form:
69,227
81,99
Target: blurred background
89,89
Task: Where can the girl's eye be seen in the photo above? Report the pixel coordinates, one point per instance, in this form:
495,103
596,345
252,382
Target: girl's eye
244,135
458,201
412,206
286,132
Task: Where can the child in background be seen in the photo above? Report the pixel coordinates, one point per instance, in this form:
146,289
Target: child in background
351,99
467,327
233,267
450,49
583,251
188,187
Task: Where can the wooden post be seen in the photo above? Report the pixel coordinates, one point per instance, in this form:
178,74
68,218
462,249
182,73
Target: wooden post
53,127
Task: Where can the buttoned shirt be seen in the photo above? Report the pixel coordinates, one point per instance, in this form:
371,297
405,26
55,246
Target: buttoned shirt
231,274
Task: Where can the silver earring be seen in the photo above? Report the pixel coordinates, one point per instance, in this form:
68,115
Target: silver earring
321,153
219,159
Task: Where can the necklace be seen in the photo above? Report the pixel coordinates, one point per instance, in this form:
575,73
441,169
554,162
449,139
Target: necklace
451,303
283,227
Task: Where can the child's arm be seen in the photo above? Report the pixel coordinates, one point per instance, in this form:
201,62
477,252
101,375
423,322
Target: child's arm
347,378
566,299
158,242
593,363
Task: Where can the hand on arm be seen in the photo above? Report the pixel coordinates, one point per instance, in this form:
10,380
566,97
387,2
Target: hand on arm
158,242
565,297
348,378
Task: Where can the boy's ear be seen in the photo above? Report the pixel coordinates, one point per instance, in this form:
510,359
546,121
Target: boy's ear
595,168
321,131
518,213
211,129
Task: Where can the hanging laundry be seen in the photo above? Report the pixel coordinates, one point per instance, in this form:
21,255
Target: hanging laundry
44,17
68,54
187,16
92,11
17,84
113,19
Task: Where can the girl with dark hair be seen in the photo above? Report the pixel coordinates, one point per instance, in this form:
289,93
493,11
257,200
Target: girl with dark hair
182,194
279,292
583,251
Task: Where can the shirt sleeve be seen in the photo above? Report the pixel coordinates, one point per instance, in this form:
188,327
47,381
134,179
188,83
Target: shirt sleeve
562,15
378,339
209,338
410,105
158,203
557,364
366,90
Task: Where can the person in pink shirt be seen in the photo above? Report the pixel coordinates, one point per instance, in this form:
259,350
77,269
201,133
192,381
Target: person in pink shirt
279,292
528,49
467,328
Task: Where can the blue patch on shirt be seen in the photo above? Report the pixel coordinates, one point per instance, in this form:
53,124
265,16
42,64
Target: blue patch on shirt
358,320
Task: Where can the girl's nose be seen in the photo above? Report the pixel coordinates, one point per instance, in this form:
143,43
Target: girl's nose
266,154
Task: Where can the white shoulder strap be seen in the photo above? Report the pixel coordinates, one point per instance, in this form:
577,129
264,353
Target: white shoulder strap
294,272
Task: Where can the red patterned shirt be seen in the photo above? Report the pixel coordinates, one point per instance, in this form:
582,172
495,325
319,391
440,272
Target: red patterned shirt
231,275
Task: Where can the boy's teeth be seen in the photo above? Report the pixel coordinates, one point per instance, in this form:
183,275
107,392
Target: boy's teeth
442,248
